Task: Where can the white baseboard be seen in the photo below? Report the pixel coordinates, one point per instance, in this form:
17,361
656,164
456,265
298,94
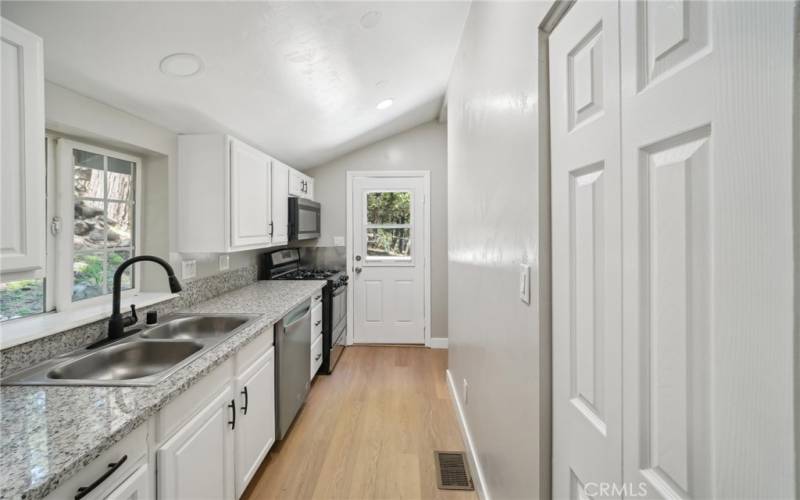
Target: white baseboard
472,455
438,343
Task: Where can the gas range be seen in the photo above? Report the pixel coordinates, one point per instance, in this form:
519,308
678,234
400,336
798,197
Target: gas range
284,264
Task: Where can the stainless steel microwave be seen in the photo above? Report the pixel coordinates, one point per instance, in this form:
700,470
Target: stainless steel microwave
304,219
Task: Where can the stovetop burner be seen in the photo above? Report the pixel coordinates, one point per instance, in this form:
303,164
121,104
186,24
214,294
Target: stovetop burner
310,274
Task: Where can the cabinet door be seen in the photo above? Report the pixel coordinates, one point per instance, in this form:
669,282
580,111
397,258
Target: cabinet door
249,196
296,183
136,487
280,203
255,431
22,171
310,188
197,462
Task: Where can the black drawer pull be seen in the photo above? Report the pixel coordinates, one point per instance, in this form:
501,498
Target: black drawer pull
318,297
112,468
318,322
246,401
232,406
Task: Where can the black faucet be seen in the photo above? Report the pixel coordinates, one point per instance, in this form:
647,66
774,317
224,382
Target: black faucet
117,324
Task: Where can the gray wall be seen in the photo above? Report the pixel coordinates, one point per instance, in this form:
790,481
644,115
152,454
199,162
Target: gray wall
421,148
499,344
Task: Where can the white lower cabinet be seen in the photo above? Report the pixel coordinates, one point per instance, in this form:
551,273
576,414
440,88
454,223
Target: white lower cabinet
255,425
316,356
136,487
197,462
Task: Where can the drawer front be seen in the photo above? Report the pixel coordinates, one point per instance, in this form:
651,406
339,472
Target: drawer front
316,322
132,447
316,356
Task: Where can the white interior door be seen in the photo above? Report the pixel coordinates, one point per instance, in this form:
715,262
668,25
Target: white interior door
390,249
584,73
707,240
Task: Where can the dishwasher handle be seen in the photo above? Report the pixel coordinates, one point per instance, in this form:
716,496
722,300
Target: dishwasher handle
296,316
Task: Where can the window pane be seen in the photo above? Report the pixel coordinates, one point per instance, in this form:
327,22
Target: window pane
21,298
116,258
88,174
391,243
88,276
120,224
389,208
89,227
120,179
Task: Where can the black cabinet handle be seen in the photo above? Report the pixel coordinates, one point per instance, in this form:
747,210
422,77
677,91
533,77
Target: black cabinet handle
232,406
318,297
318,356
271,229
112,468
246,401
318,322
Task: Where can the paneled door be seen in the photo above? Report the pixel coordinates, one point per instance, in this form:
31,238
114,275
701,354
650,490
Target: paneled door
584,73
673,250
389,258
707,246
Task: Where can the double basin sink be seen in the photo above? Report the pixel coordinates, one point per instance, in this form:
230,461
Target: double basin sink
141,359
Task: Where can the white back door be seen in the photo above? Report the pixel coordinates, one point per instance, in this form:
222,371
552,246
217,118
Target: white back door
584,83
389,248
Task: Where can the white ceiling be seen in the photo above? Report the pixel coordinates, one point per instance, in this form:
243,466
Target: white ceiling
298,79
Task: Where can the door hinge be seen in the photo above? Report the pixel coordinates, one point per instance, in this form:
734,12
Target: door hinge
55,225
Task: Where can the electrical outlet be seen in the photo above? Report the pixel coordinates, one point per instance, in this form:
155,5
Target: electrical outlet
525,283
188,269
224,262
465,392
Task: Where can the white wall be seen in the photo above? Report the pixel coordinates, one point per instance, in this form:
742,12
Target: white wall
88,120
420,148
498,344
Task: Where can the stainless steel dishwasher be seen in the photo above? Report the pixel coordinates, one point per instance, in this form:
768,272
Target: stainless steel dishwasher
293,363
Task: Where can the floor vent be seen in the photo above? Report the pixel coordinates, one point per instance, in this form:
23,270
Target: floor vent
452,471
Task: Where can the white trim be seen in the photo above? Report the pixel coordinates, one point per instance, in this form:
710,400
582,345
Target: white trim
438,343
18,331
426,177
64,253
472,455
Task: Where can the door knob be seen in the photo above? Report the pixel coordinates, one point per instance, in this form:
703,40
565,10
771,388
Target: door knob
357,270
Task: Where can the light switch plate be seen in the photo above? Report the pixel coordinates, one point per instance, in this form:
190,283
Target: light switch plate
525,283
338,241
188,269
224,262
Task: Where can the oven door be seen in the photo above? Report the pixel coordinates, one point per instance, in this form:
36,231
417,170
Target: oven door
304,219
339,308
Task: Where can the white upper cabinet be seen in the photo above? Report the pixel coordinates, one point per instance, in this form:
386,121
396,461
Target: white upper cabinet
22,173
224,195
300,185
280,203
250,196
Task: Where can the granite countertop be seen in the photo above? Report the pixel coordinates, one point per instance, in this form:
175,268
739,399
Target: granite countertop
47,434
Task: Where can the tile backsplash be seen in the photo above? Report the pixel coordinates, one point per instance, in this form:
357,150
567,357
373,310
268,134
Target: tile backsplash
21,356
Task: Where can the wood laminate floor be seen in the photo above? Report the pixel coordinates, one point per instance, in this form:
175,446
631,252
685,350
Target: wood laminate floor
368,431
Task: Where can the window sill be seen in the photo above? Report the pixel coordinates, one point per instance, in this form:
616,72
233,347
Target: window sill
19,331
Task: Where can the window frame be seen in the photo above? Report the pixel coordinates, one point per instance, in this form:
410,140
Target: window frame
64,253
379,260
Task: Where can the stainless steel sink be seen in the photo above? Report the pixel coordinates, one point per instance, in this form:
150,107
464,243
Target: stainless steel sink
195,327
126,361
144,358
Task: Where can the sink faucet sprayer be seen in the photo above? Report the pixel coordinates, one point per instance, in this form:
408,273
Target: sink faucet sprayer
117,324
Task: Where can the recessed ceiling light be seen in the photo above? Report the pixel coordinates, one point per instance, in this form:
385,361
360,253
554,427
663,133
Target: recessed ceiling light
384,104
371,19
181,65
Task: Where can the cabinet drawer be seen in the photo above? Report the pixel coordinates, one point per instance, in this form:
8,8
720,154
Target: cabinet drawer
132,447
316,356
316,321
316,298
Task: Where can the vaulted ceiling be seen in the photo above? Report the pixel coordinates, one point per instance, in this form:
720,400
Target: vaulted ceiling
300,80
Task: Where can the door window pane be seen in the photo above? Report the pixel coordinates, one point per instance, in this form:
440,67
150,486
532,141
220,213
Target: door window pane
392,207
391,243
21,298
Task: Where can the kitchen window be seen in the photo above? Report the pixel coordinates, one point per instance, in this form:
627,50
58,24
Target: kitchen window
93,227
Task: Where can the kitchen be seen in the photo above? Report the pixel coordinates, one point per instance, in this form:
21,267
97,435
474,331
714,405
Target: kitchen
398,249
